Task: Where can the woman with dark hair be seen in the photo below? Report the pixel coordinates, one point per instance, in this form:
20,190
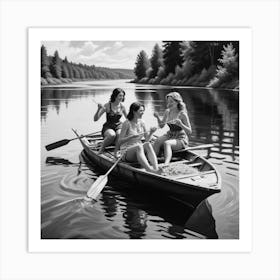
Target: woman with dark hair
176,117
133,130
114,111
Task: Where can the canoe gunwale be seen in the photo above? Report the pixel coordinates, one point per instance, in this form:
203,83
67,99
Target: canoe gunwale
163,179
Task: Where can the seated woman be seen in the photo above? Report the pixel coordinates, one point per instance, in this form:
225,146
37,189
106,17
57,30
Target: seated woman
114,111
133,129
176,117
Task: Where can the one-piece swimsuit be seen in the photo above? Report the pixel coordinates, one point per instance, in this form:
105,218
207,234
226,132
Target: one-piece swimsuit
112,120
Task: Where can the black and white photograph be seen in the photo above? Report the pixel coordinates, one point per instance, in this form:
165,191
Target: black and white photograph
140,139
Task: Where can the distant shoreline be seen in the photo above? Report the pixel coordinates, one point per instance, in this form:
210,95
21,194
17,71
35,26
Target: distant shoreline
77,84
68,83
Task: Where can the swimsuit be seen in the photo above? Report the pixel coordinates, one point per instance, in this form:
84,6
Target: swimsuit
112,120
137,130
177,132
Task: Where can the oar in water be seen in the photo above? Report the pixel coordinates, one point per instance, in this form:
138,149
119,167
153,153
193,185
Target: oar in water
65,142
101,182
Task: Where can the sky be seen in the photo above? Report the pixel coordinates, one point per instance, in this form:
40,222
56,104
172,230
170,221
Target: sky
112,54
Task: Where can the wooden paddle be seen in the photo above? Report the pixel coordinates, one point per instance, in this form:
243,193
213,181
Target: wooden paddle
102,180
99,184
65,142
199,147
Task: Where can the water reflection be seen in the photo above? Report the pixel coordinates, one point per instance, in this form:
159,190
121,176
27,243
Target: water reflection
214,116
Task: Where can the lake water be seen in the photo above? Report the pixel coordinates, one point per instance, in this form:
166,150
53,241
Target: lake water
122,212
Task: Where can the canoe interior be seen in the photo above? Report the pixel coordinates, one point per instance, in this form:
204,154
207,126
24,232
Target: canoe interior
188,176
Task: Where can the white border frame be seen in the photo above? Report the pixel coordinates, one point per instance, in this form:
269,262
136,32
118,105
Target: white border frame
243,35
262,16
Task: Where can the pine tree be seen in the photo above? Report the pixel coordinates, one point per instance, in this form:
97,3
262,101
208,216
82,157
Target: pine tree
45,70
229,60
172,55
142,64
55,66
228,70
156,61
76,73
64,73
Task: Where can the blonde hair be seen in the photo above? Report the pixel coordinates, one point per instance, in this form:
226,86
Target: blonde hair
178,98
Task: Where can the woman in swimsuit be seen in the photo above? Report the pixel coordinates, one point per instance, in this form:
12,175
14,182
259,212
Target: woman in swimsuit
114,111
132,131
176,117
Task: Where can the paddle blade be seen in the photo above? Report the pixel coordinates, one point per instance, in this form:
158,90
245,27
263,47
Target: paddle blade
57,144
97,187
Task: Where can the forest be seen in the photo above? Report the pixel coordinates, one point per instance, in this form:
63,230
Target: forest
55,70
213,64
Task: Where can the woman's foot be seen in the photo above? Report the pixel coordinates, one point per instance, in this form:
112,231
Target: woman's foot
158,171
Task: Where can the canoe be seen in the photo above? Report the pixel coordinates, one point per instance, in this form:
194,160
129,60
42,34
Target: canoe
189,178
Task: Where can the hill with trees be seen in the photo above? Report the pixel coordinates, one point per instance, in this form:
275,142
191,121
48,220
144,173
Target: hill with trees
212,64
55,70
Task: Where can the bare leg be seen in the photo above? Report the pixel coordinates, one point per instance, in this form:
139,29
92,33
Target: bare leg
159,143
170,145
151,155
117,146
137,153
109,138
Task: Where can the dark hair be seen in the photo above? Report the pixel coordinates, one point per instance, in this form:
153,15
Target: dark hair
115,93
134,107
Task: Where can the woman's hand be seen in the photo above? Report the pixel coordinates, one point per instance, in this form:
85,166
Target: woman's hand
153,129
156,115
100,106
178,122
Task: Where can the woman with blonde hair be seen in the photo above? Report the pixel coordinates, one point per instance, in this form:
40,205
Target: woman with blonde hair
176,117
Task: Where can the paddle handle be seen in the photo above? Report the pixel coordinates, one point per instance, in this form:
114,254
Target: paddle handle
114,165
204,146
82,136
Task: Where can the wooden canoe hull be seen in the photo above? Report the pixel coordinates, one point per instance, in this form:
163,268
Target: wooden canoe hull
186,191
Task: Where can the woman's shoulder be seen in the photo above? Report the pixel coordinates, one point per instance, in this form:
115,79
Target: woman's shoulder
126,122
107,106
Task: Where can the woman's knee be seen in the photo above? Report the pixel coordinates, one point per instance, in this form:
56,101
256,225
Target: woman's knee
166,145
139,148
110,134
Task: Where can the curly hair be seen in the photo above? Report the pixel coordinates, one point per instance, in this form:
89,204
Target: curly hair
178,98
115,93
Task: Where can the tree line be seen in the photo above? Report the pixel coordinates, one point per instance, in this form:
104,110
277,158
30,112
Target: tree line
55,70
190,63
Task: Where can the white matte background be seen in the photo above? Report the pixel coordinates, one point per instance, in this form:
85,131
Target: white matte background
262,17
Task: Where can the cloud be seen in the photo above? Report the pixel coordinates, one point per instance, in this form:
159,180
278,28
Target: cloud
76,44
114,54
88,49
118,45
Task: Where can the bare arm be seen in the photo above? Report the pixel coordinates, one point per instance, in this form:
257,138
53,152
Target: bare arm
184,122
148,134
161,122
124,111
100,111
